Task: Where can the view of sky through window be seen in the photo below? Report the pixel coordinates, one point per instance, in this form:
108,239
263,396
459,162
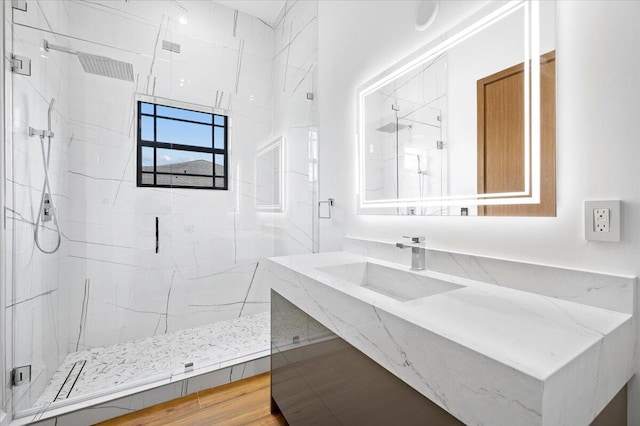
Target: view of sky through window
175,141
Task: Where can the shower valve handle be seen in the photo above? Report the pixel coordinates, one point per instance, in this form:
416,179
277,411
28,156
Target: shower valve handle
40,133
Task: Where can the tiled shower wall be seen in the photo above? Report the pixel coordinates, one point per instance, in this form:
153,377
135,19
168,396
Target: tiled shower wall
295,118
119,289
107,285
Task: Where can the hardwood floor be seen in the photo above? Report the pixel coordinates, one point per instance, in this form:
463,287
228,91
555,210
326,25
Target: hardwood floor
245,402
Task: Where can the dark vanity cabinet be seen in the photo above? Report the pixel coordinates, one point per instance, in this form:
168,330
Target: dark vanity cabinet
318,378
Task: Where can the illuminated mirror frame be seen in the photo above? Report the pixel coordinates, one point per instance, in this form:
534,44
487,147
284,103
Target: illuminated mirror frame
487,16
278,145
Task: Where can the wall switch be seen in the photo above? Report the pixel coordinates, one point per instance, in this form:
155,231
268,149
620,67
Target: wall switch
602,220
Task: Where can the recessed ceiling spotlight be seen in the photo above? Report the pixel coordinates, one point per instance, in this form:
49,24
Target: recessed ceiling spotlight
182,20
426,14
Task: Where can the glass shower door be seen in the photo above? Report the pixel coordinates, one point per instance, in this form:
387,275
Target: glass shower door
107,311
422,158
34,303
76,311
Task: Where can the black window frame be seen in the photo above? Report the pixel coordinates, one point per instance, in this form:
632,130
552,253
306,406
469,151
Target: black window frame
165,145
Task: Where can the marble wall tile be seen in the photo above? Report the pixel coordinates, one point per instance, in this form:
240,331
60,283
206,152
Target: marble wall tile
113,241
295,118
107,285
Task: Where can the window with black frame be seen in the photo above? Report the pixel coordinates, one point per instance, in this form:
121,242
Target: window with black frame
181,148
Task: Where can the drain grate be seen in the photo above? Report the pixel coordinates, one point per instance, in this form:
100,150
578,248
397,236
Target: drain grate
70,381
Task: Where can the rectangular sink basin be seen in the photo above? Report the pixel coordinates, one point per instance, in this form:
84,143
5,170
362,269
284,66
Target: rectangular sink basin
400,285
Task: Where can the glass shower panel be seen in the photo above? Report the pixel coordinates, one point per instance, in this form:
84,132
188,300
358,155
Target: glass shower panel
221,237
151,283
218,244
422,160
79,311
34,304
296,121
420,105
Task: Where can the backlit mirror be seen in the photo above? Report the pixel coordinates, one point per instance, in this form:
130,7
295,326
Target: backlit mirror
270,177
466,125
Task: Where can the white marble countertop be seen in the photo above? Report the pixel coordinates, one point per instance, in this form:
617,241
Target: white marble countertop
487,354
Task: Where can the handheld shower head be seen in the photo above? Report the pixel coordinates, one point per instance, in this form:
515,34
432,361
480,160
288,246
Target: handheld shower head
51,104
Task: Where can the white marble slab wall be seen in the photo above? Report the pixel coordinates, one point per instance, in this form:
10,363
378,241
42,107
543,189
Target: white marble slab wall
293,79
118,288
33,295
614,292
107,285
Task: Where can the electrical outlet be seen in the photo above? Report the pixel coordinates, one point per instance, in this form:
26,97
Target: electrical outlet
602,220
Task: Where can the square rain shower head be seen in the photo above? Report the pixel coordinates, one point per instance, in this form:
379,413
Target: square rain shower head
106,67
391,127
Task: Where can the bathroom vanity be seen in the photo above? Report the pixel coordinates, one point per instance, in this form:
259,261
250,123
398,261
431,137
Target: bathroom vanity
358,340
319,378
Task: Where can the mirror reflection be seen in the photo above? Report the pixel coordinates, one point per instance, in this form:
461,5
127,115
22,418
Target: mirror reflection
270,178
467,124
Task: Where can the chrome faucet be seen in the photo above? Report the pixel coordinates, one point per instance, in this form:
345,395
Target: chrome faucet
418,252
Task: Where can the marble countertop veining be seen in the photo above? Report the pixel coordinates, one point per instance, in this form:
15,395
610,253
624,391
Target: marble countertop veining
541,340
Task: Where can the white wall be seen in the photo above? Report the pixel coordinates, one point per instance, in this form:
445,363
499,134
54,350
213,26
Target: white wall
597,135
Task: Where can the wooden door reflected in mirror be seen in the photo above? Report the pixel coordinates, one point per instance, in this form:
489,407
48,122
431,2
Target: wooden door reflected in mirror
501,133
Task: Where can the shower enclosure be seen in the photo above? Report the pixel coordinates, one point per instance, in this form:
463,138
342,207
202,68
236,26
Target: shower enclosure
148,282
407,152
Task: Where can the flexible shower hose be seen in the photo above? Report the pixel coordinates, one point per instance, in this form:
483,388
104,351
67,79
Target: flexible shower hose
46,188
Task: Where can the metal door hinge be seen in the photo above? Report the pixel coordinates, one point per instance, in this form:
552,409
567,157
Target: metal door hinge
440,144
19,375
19,4
21,65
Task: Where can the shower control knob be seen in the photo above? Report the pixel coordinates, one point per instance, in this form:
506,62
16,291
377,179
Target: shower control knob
46,208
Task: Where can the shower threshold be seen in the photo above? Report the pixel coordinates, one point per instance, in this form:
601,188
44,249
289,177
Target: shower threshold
96,375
